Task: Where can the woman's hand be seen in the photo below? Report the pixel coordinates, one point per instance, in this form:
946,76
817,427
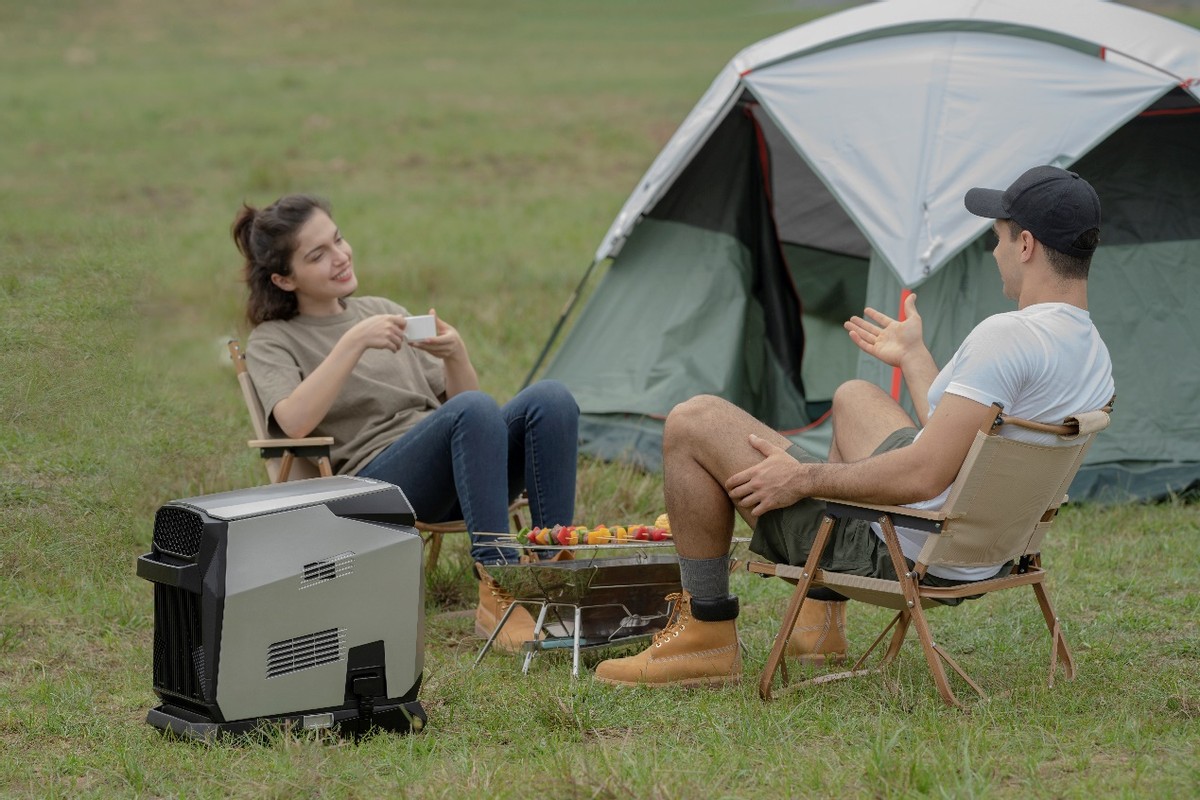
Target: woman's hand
889,340
450,348
446,345
382,332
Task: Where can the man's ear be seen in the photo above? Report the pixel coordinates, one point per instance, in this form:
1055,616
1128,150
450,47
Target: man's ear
284,282
1027,242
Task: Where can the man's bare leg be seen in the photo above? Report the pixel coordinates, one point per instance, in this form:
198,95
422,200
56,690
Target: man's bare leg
863,416
705,441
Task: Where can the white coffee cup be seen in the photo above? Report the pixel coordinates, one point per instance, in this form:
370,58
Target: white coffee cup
421,327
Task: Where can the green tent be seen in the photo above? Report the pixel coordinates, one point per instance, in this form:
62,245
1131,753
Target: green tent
824,171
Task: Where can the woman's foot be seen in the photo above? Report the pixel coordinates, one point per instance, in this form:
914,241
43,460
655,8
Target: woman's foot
493,602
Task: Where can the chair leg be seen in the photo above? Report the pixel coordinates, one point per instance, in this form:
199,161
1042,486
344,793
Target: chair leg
514,511
912,598
933,658
434,546
901,621
1058,643
775,660
961,672
324,467
285,466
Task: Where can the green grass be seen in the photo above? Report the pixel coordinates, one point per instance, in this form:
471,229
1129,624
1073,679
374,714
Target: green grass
475,155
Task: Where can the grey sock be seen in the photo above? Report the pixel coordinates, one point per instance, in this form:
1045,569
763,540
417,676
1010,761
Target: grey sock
705,578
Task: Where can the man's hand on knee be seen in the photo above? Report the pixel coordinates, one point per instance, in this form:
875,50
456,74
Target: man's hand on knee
775,482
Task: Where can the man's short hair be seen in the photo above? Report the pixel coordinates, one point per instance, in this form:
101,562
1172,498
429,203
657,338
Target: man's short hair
1064,265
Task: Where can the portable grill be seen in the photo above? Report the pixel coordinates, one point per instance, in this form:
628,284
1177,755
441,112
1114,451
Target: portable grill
611,594
298,603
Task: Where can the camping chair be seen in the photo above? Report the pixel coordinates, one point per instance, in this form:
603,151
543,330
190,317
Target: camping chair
1000,507
295,459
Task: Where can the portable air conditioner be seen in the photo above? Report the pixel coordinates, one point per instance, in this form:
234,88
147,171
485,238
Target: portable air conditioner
299,603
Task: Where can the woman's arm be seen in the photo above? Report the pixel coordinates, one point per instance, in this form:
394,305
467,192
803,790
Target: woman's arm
299,413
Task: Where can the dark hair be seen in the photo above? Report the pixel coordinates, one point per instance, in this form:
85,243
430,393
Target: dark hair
1064,265
267,239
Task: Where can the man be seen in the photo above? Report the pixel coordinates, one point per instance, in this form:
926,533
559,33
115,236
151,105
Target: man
1044,361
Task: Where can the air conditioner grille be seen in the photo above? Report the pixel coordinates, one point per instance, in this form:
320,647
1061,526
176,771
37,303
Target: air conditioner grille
318,572
306,652
177,639
177,532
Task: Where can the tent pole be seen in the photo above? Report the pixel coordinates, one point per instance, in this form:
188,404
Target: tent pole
562,318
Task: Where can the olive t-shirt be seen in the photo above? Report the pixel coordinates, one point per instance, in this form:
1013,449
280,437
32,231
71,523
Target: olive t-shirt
386,394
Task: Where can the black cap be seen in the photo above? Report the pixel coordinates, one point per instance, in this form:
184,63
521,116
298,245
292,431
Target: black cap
1055,205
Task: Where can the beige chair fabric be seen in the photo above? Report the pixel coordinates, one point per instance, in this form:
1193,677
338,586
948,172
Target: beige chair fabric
1000,496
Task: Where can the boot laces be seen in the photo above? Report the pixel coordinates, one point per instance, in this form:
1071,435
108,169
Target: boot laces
503,598
680,614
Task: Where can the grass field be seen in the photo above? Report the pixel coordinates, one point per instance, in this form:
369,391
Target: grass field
474,155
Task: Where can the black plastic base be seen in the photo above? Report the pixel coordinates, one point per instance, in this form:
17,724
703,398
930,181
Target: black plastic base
393,716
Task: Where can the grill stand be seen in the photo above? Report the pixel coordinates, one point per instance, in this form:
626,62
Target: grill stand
623,598
574,637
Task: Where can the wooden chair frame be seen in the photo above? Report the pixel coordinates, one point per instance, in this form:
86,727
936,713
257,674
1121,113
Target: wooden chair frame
295,459
1013,526
284,459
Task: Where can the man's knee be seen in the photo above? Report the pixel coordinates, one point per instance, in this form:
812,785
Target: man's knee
855,394
691,420
863,416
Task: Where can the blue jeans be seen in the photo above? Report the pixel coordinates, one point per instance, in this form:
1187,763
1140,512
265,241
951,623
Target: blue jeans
470,459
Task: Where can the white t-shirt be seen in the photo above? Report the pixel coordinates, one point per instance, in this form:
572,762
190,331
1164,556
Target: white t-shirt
1045,363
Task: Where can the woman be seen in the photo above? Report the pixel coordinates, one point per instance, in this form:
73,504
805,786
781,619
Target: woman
407,412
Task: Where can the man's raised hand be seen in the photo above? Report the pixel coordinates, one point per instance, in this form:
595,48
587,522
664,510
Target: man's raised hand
888,339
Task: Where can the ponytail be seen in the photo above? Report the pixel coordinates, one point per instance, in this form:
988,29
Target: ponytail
266,239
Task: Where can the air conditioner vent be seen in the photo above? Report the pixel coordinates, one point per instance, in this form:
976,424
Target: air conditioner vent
319,572
177,532
176,639
306,652
198,662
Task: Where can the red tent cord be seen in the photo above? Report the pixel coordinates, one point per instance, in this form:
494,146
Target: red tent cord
896,376
816,423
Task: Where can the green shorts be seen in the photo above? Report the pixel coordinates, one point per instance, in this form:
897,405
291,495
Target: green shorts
786,535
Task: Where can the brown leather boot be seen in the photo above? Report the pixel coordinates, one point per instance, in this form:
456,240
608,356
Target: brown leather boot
493,601
687,652
819,635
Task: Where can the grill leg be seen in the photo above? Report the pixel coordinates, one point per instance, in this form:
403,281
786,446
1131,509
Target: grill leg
575,655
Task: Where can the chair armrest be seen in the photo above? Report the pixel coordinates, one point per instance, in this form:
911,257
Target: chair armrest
309,441
918,519
307,447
